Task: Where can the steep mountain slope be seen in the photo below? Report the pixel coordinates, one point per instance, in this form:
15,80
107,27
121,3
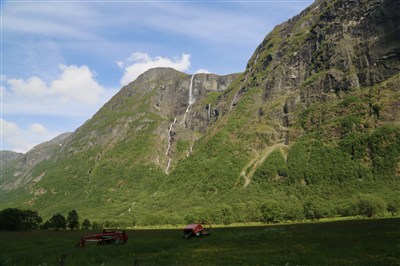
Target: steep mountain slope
7,156
127,147
17,168
332,72
314,118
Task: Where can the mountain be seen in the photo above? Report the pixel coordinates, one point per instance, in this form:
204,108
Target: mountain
8,156
17,167
314,120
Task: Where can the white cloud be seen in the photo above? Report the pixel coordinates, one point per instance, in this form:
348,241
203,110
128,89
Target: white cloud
64,103
37,128
202,70
22,140
75,84
9,129
33,87
140,62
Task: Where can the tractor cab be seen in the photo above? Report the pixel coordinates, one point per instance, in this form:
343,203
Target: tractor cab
196,230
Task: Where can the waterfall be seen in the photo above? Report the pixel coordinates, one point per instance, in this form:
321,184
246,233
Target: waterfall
190,151
168,165
191,99
209,112
169,136
170,130
191,147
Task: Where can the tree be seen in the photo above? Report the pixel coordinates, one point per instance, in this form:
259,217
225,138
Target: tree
252,212
271,212
95,225
73,220
57,221
293,212
370,205
226,214
32,220
13,219
316,208
274,166
394,206
347,208
86,224
46,225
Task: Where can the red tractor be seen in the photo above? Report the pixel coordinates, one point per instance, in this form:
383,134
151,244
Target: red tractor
196,230
107,237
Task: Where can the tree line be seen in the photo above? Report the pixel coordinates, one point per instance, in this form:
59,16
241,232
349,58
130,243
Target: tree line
271,211
13,219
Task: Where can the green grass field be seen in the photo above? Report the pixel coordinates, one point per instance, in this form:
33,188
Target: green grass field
354,242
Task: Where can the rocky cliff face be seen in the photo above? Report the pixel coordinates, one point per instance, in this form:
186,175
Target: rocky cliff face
169,105
330,49
343,44
7,156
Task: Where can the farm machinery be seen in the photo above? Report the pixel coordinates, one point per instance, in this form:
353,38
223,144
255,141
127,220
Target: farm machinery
196,230
107,237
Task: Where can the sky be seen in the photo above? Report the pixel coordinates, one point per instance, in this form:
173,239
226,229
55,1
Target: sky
62,60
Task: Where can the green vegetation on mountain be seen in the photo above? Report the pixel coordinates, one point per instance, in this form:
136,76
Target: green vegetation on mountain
310,129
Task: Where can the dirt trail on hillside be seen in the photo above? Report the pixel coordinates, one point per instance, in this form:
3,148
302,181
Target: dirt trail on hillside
252,166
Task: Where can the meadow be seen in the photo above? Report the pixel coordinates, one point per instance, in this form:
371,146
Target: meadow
351,242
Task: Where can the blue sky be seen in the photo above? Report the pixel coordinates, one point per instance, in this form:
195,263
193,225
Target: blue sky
62,60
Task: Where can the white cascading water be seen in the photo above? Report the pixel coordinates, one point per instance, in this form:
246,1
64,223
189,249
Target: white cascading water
168,165
190,151
169,136
169,144
191,99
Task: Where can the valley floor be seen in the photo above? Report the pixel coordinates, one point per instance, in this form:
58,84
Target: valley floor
351,242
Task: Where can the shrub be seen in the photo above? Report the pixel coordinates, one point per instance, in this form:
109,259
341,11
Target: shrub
86,224
272,167
394,207
349,123
252,212
96,225
370,205
226,212
293,212
316,208
271,212
297,161
348,208
384,144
